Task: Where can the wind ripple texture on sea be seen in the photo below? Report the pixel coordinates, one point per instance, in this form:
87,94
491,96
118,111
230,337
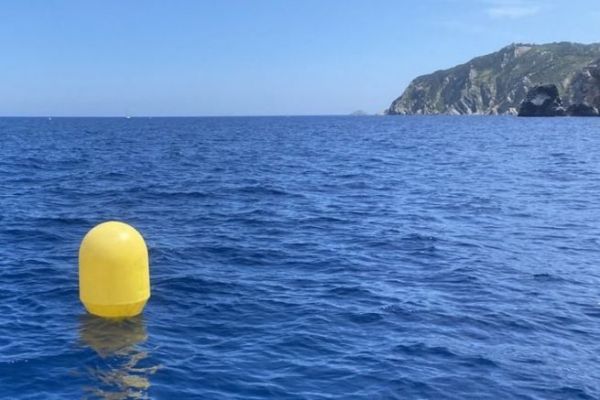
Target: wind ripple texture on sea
307,257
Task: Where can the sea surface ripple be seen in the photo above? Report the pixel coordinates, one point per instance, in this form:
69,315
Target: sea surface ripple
307,257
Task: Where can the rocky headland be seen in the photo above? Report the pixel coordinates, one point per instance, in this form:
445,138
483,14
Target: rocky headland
564,78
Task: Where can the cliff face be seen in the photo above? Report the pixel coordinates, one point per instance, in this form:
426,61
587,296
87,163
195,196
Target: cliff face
585,87
497,83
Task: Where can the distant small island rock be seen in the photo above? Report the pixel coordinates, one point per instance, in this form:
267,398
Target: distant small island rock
358,113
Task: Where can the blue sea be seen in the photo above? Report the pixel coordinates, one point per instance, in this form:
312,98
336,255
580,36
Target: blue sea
307,257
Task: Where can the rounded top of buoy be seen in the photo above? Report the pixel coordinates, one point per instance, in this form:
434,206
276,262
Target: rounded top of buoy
114,239
114,276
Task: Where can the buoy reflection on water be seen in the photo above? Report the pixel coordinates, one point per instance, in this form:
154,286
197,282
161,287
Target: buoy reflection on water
123,371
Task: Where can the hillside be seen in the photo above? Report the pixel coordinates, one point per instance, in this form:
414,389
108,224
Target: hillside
497,83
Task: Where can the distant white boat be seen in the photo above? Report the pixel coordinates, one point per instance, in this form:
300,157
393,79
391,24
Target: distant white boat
128,117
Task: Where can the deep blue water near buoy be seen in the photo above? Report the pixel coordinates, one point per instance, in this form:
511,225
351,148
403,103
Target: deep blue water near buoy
308,257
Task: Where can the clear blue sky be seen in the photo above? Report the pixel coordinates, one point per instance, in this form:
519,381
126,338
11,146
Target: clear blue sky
261,57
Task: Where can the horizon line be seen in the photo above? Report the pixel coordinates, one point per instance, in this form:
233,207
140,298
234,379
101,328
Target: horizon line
187,116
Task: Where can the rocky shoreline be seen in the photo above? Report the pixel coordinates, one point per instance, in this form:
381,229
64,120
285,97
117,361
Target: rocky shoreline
545,101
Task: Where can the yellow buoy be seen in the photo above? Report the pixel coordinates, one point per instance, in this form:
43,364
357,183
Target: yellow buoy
114,277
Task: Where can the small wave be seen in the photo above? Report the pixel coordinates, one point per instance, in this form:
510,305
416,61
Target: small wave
350,291
364,318
263,191
421,349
